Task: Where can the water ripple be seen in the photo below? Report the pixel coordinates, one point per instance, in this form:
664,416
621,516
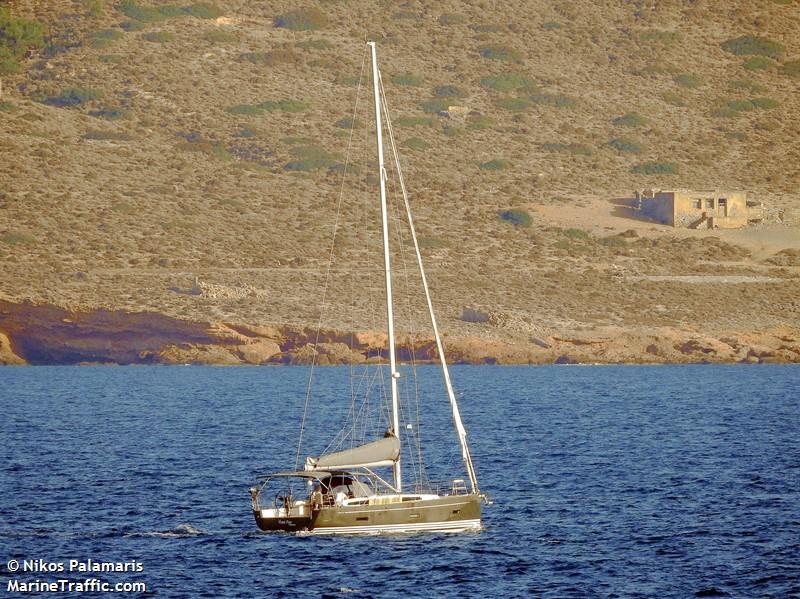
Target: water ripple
607,481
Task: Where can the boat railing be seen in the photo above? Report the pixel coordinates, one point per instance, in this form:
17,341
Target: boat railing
428,486
459,487
455,487
254,492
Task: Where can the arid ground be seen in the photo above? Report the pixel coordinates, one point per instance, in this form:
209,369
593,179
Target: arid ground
172,174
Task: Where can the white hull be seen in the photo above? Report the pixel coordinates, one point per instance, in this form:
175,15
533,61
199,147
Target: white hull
458,526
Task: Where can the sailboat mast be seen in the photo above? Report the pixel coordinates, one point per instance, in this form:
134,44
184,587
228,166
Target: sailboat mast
387,264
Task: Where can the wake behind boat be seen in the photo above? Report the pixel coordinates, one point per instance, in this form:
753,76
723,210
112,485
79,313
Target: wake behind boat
343,492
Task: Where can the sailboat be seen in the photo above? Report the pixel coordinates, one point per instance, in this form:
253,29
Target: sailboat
344,492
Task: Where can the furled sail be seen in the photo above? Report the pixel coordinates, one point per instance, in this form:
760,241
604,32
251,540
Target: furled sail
383,452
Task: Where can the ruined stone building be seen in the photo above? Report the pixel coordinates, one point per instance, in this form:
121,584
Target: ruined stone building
697,209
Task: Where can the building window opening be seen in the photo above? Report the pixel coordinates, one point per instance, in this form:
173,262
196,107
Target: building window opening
697,204
709,203
723,206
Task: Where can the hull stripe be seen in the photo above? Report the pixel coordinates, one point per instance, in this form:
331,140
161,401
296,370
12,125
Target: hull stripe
393,507
455,526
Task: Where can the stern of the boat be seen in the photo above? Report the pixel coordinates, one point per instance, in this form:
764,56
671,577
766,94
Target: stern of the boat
287,514
271,519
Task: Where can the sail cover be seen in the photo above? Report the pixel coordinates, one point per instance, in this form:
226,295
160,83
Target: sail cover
383,452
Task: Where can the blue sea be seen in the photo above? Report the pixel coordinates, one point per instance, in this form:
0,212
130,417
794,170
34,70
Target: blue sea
606,481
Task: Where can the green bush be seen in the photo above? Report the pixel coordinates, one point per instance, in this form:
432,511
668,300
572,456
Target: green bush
631,119
509,82
452,19
551,25
246,132
16,238
159,36
203,10
517,217
107,136
735,106
314,45
613,241
498,164
110,58
407,79
415,143
8,62
305,19
628,146
573,148
486,28
284,106
448,91
312,158
133,25
144,14
741,105
513,104
273,57
147,14
111,114
655,168
103,39
556,100
725,112
74,96
767,126
687,80
17,36
748,45
217,36
576,233
791,68
765,103
563,244
451,131
748,86
196,143
245,109
94,8
349,123
435,106
502,53
414,121
480,121
758,63
7,106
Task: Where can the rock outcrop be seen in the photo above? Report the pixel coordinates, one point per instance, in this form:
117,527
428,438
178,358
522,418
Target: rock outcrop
45,334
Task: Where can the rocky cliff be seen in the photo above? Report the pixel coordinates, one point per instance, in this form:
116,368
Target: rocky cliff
46,334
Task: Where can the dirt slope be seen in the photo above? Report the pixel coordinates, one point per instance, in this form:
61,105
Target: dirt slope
185,159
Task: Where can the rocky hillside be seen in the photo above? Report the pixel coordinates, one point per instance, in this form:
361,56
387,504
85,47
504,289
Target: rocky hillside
187,161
